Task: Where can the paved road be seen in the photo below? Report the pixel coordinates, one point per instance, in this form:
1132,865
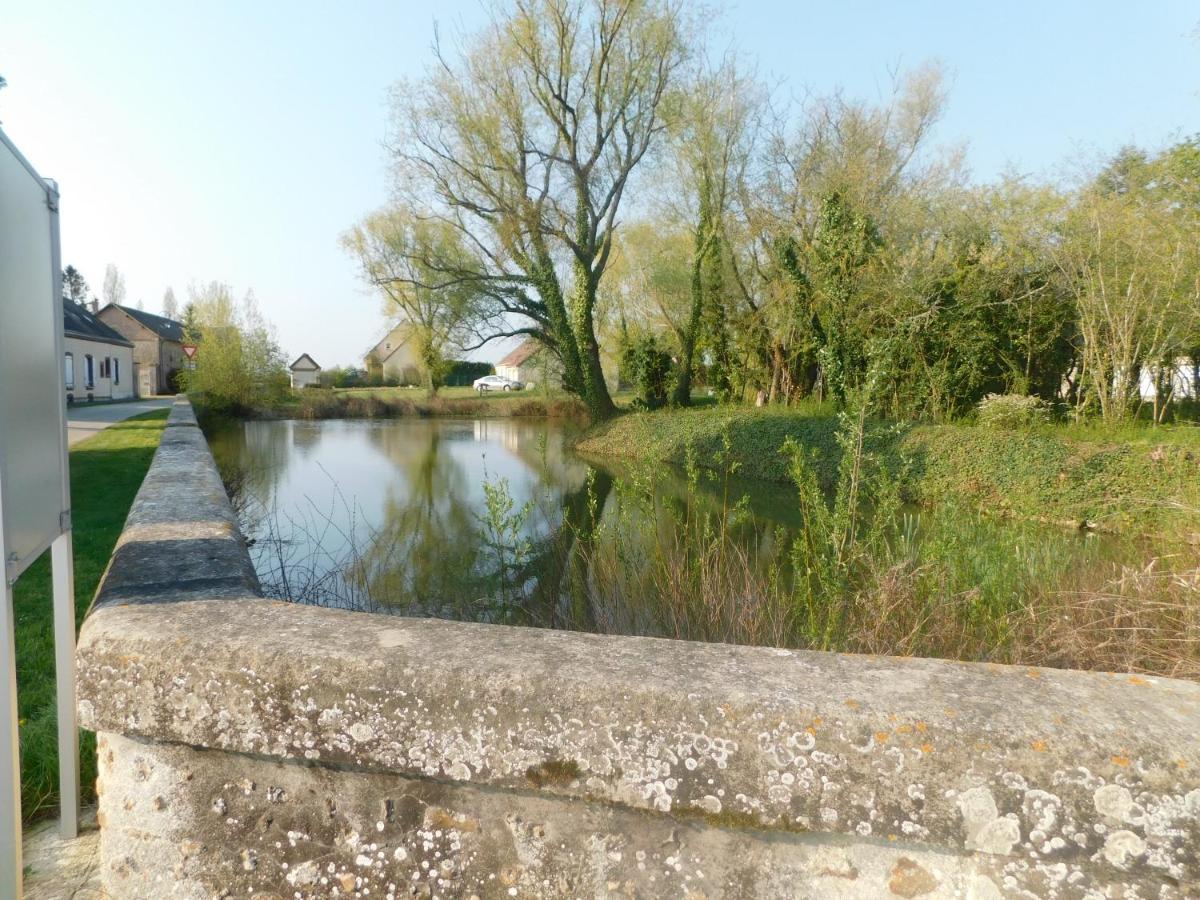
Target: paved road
83,420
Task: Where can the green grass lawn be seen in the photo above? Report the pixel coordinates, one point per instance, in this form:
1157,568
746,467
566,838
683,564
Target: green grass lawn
106,472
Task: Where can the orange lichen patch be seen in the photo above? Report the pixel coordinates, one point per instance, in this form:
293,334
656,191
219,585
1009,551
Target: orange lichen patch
904,729
811,730
1033,673
927,748
817,720
1134,679
1181,763
921,726
891,837
1039,746
950,713
882,736
892,717
1120,760
853,704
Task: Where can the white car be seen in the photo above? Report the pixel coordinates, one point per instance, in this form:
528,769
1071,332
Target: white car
496,383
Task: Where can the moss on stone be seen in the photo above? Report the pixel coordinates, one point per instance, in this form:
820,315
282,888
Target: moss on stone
553,772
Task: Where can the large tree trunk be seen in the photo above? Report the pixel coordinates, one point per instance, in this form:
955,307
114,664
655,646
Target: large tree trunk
595,389
682,395
550,292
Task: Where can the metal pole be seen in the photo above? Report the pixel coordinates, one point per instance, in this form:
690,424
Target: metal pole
10,748
63,564
63,567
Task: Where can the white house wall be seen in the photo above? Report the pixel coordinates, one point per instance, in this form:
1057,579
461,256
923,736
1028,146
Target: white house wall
1181,379
119,386
305,377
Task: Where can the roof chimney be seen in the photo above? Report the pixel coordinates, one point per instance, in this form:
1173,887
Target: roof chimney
94,306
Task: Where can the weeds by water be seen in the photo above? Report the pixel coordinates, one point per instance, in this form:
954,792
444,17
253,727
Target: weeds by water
862,575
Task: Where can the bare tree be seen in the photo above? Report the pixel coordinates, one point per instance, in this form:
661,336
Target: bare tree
113,290
170,306
525,141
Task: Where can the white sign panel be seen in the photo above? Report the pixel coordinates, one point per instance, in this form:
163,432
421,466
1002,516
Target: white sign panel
31,428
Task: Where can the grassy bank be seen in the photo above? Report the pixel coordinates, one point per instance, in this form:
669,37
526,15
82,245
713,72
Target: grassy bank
395,403
106,471
862,575
1137,478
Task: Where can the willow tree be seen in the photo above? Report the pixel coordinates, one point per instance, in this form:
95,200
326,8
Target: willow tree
417,265
712,141
524,139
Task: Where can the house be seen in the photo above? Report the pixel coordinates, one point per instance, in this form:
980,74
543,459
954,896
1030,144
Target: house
531,363
305,371
1181,380
157,346
98,363
396,358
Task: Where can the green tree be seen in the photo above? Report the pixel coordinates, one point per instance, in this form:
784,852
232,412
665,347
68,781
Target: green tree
74,285
525,141
712,141
191,324
239,365
417,265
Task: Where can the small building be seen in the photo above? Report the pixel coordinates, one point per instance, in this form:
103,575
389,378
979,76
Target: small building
531,363
305,371
396,358
97,360
157,346
1181,380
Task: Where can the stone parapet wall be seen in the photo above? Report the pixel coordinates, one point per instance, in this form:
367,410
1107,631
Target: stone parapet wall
262,747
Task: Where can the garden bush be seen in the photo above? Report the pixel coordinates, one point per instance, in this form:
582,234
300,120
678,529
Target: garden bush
1011,411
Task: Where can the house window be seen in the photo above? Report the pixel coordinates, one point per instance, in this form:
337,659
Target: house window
89,371
69,371
116,371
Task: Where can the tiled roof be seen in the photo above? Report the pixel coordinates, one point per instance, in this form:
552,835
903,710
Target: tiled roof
79,322
167,329
312,363
523,351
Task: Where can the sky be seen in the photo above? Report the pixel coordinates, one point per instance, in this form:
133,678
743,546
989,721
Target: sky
237,141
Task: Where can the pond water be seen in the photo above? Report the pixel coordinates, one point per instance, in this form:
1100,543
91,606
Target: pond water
500,520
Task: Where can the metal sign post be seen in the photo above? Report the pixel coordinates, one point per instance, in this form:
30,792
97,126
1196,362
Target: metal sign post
35,487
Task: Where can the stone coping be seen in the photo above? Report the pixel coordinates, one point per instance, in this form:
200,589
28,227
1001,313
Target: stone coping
1070,774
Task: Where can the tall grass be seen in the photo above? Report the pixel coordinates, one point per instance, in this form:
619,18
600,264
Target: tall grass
861,575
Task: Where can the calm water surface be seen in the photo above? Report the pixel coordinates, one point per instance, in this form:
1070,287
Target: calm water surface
394,516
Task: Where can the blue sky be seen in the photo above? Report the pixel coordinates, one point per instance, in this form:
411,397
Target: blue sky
236,141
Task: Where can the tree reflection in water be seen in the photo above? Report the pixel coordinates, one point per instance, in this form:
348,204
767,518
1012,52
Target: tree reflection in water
391,517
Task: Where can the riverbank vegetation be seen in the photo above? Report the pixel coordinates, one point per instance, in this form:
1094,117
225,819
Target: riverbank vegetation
1117,479
106,472
401,403
770,249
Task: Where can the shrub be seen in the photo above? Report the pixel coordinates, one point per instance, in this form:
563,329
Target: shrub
462,372
1011,411
649,366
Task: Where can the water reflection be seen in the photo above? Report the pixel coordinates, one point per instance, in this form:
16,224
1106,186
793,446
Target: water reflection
392,516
